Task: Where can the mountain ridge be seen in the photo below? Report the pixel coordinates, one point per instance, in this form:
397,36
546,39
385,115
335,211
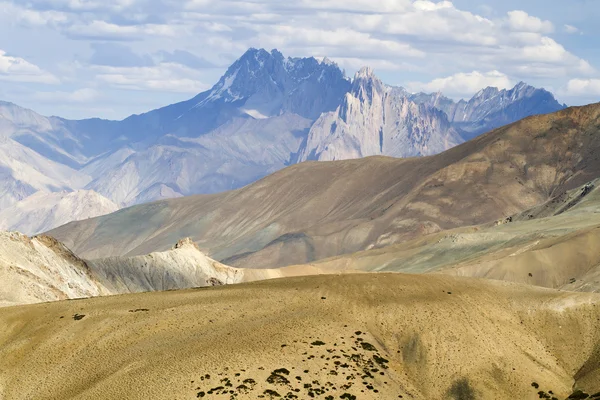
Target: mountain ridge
363,203
265,113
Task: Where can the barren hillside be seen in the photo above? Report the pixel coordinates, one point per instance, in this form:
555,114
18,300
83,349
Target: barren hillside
377,336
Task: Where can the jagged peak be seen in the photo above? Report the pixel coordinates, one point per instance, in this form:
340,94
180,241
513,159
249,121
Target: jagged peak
522,85
365,73
365,79
487,92
327,61
254,52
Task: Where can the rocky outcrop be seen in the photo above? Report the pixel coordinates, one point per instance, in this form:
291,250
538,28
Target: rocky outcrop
41,269
376,119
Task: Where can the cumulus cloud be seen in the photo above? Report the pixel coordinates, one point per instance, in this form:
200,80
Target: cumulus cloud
17,69
464,84
83,5
520,21
103,30
389,30
583,88
336,43
431,37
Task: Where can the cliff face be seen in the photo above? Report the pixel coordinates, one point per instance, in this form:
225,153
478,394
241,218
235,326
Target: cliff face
376,119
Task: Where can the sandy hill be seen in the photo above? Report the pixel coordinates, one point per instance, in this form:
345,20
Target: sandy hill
376,336
312,211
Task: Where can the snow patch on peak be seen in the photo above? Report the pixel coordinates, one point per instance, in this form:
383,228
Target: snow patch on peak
222,90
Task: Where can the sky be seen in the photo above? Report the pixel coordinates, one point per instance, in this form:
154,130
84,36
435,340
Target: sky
113,58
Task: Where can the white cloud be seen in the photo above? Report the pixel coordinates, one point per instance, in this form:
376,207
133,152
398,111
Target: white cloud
464,84
370,6
32,17
520,21
583,88
164,77
431,6
85,5
85,95
388,30
571,29
334,43
432,38
20,70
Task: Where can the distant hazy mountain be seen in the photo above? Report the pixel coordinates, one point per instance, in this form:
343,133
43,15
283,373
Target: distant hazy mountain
491,108
43,211
266,112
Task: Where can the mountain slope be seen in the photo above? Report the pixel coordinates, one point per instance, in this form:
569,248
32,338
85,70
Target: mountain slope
244,150
386,335
23,172
311,211
43,211
553,245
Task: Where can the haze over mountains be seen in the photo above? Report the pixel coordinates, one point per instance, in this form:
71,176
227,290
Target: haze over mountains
266,112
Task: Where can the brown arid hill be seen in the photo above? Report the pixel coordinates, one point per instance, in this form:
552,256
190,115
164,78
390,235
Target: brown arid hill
41,269
554,245
364,336
312,211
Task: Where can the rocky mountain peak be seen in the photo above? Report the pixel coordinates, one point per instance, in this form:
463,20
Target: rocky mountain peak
365,73
366,85
268,84
486,93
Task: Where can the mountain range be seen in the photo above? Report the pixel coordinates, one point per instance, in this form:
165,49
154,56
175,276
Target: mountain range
519,205
315,210
265,113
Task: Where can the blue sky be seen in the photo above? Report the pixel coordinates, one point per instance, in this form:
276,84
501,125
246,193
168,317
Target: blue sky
87,58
